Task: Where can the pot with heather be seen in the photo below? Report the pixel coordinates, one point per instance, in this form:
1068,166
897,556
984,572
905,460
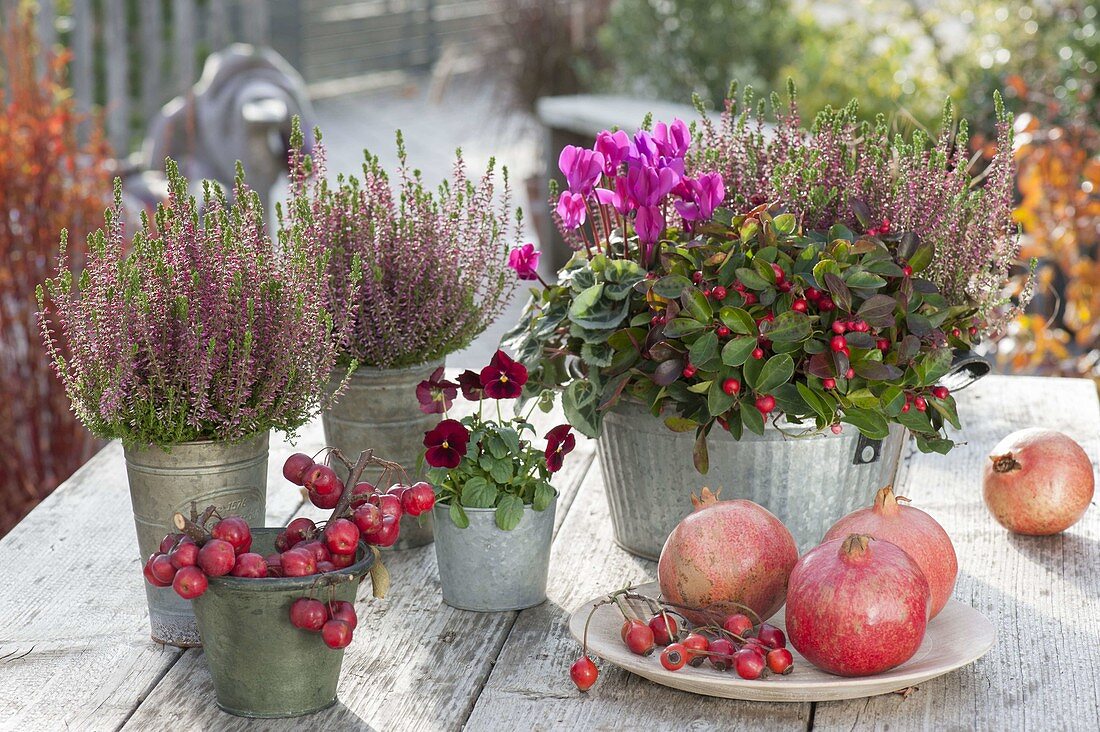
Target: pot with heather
413,275
495,505
191,344
780,335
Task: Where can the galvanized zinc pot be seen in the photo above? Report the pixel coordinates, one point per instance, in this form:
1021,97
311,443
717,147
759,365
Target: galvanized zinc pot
487,569
261,665
379,410
231,476
807,482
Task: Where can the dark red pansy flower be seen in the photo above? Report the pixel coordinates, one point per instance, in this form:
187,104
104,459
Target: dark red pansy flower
503,378
559,443
446,443
435,394
470,381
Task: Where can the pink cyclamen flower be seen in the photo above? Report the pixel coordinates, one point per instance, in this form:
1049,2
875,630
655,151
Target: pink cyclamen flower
706,193
559,443
619,198
572,210
582,168
470,382
649,224
446,444
648,185
435,393
525,261
672,140
614,147
503,378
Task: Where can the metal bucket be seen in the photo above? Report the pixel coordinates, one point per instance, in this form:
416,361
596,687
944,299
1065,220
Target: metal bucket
807,482
379,410
232,477
486,569
261,665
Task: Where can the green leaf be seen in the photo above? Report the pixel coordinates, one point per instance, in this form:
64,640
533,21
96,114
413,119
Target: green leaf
876,370
948,409
824,267
871,424
935,366
839,291
916,421
458,515
509,512
878,311
738,350
893,399
544,494
679,327
788,327
918,325
579,401
864,280
671,286
479,493
584,302
863,398
704,349
816,400
718,401
737,320
750,279
680,424
501,471
700,456
922,257
752,418
697,305
785,223
778,370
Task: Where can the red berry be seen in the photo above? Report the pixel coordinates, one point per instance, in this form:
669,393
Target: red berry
905,408
689,371
756,646
907,271
234,529
813,293
674,656
367,517
340,610
723,331
719,293
883,344
317,548
884,227
341,536
749,664
299,529
341,561
972,330
697,276
308,614
696,646
861,326
250,564
295,467
780,661
771,636
850,373
721,653
731,386
740,287
386,534
184,555
664,628
836,429
783,287
800,305
322,480
584,673
190,582
738,624
765,404
750,298
298,563
160,566
840,327
758,353
920,403
217,557
956,332
828,383
336,634
826,304
639,638
838,343
707,293
940,392
780,275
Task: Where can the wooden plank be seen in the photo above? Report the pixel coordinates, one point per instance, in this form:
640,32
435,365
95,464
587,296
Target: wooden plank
416,664
81,66
256,21
152,58
117,47
530,686
1040,592
183,45
587,114
217,25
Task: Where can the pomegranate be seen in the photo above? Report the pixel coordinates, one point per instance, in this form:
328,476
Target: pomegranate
1038,482
725,556
857,606
914,531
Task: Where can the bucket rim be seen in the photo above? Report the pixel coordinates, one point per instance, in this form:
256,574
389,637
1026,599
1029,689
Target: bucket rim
526,506
350,573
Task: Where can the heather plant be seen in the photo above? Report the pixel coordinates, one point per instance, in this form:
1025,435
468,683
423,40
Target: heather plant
203,330
413,275
842,170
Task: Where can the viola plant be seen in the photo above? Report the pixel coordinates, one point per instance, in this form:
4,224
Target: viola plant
730,317
479,462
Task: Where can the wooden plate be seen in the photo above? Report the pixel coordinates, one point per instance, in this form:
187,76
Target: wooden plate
959,635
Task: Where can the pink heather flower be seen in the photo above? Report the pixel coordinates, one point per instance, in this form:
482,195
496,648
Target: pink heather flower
572,210
649,224
706,193
525,261
614,147
559,443
436,394
582,168
672,140
503,378
446,444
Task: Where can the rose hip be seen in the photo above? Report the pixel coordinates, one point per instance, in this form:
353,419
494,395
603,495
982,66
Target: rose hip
584,673
674,656
664,628
749,664
738,624
721,653
780,661
697,646
771,636
639,639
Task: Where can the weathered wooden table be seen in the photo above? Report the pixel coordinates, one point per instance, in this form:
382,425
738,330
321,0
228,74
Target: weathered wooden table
75,650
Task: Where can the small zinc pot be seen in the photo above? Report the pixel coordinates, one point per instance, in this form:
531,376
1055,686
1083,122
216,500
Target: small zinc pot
487,569
379,410
261,665
231,476
807,482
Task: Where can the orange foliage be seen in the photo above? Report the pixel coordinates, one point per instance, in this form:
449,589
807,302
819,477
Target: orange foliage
48,181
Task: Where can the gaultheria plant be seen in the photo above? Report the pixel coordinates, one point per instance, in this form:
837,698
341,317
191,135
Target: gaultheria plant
413,274
842,170
202,329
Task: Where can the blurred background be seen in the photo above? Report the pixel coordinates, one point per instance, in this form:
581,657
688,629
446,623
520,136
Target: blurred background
93,89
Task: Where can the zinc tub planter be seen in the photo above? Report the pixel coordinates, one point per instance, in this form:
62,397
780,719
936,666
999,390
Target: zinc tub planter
262,666
486,569
378,409
807,482
230,476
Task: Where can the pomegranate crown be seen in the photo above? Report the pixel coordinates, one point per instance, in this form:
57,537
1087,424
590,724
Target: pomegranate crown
706,497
